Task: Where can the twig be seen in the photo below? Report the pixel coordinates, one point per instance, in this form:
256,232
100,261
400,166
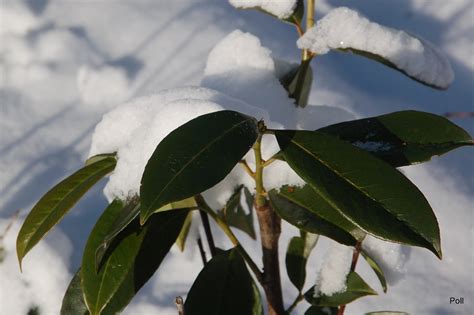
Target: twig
247,168
310,6
207,230
179,305
270,230
201,251
228,232
12,219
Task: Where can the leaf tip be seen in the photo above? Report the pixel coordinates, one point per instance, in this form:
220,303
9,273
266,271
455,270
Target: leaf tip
143,218
20,260
20,253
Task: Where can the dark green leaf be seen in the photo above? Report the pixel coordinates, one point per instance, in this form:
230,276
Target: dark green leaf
356,288
368,191
52,207
297,255
316,310
183,235
306,210
127,215
195,157
131,260
73,301
235,215
402,138
377,269
224,286
298,83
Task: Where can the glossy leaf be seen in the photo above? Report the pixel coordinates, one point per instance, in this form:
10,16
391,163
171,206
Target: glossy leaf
224,286
52,207
367,191
305,209
377,269
298,83
297,254
235,215
129,212
356,288
73,301
195,157
132,259
402,138
183,235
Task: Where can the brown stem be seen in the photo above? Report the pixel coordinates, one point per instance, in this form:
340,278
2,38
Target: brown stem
270,230
355,258
227,231
179,305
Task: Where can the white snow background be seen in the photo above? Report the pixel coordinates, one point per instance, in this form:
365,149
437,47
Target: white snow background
54,52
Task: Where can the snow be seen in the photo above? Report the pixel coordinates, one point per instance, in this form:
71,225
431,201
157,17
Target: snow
373,146
45,274
103,86
280,8
392,258
332,276
17,19
345,28
134,129
237,52
45,129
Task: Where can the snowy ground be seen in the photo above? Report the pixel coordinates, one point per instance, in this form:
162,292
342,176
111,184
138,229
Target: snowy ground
65,63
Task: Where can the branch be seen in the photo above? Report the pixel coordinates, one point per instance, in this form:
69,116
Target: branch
207,230
270,230
202,252
179,305
227,231
247,168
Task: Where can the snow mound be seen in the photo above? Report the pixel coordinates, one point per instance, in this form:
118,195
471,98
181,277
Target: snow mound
134,129
332,276
345,28
280,8
236,51
17,19
45,274
391,257
103,86
241,67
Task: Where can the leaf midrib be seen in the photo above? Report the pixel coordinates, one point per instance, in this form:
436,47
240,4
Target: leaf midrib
195,157
62,200
355,186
